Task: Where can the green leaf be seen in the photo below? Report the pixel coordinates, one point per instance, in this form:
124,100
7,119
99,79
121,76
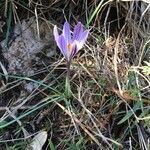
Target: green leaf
52,147
126,117
130,113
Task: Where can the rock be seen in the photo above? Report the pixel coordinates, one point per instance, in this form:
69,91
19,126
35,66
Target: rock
25,44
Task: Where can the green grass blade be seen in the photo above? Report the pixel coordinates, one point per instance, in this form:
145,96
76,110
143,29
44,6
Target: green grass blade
29,112
98,8
130,113
9,21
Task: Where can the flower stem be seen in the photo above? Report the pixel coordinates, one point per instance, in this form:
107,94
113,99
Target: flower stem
67,84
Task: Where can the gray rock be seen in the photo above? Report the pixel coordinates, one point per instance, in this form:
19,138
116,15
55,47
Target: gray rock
26,43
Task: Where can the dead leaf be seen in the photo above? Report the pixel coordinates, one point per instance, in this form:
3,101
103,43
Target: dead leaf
38,141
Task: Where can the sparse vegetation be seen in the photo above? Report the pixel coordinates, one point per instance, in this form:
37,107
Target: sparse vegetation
109,78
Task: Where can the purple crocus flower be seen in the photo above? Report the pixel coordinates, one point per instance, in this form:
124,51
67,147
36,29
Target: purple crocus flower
70,43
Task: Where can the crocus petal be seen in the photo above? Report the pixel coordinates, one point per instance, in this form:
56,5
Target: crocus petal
84,36
56,35
78,46
82,39
78,30
66,32
73,51
62,45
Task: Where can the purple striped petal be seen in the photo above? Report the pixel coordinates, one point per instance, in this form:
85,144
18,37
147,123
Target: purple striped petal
66,32
74,51
78,44
55,32
78,30
84,36
82,39
56,36
61,43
